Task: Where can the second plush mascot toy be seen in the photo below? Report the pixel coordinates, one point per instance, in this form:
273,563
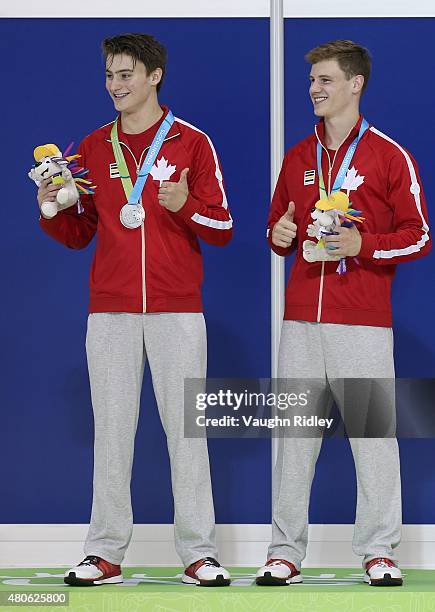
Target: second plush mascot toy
328,214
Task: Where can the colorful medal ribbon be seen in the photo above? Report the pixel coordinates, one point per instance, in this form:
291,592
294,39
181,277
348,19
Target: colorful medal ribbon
133,193
339,179
341,175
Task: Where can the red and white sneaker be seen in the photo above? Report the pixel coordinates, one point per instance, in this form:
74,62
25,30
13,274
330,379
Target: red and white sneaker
278,572
383,572
92,571
206,572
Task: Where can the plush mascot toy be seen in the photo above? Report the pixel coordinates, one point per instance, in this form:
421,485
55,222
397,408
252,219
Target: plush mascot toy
328,214
63,170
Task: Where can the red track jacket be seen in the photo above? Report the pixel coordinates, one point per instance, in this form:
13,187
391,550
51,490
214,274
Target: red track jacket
391,200
157,267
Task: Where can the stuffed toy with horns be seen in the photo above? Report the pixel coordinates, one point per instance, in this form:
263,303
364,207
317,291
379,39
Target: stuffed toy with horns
328,214
63,170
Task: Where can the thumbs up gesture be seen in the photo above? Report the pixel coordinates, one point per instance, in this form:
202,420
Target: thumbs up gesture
285,229
174,195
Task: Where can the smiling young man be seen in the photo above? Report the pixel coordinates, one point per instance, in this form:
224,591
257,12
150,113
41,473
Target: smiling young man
159,189
337,321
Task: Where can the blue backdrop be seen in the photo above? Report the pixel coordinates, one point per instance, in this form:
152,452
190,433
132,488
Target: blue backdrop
218,79
399,101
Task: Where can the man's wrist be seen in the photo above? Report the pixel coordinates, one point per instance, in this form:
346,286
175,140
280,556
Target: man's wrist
368,245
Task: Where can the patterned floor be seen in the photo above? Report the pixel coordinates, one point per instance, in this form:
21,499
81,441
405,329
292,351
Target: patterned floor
160,589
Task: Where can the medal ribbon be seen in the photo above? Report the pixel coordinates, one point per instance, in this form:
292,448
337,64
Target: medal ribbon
339,179
133,193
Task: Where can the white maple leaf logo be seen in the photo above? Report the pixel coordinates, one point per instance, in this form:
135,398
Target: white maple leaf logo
162,171
352,180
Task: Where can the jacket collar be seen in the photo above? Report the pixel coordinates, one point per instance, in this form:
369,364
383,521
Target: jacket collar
173,131
319,131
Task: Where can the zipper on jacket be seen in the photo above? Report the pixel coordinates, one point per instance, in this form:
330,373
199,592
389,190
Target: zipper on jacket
322,272
142,238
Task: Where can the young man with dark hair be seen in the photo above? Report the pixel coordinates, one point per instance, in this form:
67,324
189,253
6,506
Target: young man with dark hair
159,189
337,320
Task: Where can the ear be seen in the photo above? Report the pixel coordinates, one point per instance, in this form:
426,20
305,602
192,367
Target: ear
358,83
156,76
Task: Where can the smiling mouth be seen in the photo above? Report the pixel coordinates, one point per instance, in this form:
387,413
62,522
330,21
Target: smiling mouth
120,96
319,99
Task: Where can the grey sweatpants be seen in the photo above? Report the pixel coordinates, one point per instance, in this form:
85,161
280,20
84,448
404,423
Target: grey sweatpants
321,351
118,345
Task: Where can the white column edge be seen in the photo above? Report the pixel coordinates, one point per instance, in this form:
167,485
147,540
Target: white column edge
276,157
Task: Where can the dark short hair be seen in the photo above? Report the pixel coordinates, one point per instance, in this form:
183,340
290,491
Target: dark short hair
352,58
141,48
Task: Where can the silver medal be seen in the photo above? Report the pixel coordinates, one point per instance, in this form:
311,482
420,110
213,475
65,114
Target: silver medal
132,215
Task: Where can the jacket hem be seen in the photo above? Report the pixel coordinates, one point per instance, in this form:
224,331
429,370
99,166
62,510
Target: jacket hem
154,304
345,316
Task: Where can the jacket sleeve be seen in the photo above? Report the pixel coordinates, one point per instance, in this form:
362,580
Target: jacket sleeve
278,207
409,238
206,209
69,227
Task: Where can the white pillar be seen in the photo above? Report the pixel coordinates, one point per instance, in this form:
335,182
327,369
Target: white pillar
276,157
